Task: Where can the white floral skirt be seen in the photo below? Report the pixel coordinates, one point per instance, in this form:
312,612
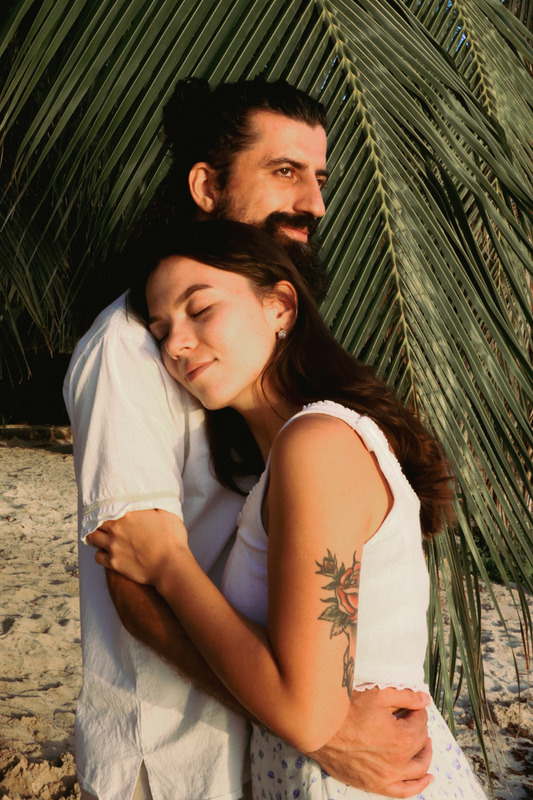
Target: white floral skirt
279,772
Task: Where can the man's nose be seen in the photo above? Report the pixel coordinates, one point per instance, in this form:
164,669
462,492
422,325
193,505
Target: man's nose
309,198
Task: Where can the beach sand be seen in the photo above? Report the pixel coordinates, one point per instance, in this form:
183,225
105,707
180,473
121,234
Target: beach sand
40,655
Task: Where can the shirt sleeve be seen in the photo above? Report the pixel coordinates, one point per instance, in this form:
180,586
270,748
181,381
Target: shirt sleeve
129,423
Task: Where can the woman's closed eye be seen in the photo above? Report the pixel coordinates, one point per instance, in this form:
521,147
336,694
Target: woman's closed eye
195,314
159,334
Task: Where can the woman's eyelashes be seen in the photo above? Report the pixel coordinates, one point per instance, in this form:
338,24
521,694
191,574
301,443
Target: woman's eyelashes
161,334
200,312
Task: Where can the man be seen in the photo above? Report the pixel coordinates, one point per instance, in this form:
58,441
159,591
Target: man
254,152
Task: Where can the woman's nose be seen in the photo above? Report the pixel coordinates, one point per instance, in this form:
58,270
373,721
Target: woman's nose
178,341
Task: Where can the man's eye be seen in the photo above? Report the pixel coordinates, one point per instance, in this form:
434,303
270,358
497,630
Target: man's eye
286,172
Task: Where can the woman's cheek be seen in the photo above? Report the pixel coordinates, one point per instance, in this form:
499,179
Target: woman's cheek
170,364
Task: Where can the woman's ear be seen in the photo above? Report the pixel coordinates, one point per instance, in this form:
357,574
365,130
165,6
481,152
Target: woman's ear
282,306
202,186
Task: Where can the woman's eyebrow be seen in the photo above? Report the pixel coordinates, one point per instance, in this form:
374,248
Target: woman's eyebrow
195,287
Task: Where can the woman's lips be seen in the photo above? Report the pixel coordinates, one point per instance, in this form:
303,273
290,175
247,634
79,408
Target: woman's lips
192,372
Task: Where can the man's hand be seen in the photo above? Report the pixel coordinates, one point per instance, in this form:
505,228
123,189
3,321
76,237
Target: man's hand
380,751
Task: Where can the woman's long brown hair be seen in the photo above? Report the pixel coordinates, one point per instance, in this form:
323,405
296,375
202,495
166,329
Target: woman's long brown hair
307,366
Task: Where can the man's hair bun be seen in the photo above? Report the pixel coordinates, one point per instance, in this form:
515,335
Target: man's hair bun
186,114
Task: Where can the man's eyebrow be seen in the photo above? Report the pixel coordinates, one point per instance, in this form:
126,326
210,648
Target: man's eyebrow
196,287
278,162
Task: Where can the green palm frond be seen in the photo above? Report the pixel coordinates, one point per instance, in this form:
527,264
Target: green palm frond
427,238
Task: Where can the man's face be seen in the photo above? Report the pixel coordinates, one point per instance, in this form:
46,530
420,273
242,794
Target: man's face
277,183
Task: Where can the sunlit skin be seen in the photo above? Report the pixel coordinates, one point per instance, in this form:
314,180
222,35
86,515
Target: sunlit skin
217,336
283,171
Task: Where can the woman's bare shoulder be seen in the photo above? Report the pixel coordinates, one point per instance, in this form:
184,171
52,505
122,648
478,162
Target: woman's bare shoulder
315,442
314,431
319,460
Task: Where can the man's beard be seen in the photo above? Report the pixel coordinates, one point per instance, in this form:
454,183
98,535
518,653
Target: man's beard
304,255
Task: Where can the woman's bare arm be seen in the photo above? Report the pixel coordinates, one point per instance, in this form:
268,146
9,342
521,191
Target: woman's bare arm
323,460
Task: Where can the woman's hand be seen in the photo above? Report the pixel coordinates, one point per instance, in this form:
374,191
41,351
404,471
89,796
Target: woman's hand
141,545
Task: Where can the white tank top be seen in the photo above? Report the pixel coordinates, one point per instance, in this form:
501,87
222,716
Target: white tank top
394,586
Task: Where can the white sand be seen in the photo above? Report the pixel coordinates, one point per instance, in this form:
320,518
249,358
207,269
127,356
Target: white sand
40,658
40,655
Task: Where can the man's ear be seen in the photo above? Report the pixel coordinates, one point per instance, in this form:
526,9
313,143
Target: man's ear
202,186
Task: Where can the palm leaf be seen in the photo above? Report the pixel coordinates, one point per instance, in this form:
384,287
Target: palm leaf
427,239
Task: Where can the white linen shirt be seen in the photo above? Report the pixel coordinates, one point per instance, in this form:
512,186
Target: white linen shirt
139,443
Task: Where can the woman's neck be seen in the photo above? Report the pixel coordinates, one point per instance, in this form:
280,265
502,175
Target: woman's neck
265,422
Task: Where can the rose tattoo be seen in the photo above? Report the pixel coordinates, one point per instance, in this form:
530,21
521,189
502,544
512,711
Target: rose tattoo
342,605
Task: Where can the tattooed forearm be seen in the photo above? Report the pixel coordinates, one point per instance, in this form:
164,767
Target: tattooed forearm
342,606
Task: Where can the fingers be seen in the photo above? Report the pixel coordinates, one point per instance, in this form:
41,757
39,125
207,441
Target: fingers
380,751
416,776
96,538
111,527
102,558
420,763
423,758
405,699
405,789
99,539
415,744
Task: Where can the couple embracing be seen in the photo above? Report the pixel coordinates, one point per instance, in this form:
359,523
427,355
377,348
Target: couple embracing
305,623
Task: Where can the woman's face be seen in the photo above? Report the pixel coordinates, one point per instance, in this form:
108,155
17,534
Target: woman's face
216,335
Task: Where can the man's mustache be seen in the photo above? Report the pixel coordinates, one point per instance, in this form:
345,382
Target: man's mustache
280,218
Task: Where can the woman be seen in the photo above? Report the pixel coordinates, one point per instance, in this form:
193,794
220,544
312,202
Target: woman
329,546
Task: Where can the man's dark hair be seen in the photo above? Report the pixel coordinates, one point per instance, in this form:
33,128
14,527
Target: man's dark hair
213,125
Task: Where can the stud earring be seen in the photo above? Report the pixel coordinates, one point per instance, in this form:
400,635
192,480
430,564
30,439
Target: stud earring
282,334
